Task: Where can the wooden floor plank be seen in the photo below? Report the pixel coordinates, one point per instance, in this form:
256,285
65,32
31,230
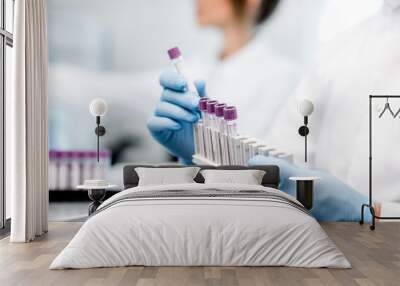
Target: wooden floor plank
375,257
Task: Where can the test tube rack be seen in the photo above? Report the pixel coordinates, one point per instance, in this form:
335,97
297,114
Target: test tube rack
241,149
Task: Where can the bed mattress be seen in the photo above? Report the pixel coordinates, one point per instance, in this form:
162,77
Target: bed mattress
201,225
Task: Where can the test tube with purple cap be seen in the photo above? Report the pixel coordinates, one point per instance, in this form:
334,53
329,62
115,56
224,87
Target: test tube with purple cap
230,117
198,129
176,58
219,136
203,109
211,126
219,114
211,118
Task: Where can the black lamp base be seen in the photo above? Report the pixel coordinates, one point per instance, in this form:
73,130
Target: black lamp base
97,196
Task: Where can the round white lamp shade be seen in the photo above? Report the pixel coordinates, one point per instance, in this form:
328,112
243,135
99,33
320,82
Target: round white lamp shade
98,107
306,107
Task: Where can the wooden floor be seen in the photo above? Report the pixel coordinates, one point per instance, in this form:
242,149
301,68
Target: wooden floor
375,257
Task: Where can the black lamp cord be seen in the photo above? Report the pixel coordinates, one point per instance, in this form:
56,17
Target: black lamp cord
305,139
98,136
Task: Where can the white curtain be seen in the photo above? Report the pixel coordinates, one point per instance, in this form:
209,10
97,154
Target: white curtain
27,123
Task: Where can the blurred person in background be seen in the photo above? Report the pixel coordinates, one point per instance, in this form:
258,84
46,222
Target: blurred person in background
249,73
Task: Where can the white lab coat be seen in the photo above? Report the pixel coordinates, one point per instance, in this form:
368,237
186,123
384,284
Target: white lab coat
363,61
259,78
258,81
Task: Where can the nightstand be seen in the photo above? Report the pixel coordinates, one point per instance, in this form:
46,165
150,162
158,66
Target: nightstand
305,190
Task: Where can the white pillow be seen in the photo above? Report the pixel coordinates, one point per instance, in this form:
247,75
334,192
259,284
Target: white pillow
248,177
166,176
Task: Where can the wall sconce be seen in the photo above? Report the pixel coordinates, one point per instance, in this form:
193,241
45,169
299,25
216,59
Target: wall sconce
98,108
305,107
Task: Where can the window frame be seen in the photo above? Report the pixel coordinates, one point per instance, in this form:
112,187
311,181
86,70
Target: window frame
6,39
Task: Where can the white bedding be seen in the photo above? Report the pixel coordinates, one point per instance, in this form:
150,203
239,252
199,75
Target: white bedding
183,231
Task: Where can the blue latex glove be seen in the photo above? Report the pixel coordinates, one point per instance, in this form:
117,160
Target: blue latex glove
333,199
172,122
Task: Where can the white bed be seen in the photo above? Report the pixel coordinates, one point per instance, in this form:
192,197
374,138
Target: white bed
250,225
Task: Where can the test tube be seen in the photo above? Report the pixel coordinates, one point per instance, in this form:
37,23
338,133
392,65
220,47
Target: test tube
264,151
203,109
52,170
196,137
219,114
211,113
282,155
201,124
176,58
254,149
211,125
236,149
230,117
218,132
245,150
276,153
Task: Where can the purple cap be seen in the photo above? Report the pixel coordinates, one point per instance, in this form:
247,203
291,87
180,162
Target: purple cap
230,113
70,154
52,154
81,154
211,106
63,154
219,109
77,154
105,153
58,154
92,154
174,53
86,154
203,104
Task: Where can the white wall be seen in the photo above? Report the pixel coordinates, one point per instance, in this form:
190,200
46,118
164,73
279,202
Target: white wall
339,15
124,35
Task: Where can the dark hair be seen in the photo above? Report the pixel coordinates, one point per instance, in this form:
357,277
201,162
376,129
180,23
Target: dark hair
267,7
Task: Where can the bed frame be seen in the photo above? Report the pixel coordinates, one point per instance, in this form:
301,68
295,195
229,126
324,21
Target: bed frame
271,178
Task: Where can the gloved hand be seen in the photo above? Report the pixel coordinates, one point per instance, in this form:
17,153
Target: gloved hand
172,122
333,199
